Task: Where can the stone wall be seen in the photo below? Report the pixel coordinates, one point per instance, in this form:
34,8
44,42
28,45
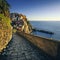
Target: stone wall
48,45
5,32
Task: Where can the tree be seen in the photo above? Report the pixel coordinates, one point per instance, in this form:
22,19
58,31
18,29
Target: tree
4,8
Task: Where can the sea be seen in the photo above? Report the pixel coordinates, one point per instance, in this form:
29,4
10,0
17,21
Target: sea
52,26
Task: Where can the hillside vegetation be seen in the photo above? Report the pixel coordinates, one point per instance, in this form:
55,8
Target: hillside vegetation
5,31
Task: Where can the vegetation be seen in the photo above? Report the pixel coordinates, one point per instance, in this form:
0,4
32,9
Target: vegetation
14,31
29,24
5,31
4,8
5,20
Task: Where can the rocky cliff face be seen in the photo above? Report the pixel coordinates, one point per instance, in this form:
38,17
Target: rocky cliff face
27,28
5,32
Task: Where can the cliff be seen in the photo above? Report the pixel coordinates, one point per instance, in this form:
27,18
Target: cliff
5,31
27,27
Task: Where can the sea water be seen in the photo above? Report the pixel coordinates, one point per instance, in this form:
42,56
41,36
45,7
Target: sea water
52,26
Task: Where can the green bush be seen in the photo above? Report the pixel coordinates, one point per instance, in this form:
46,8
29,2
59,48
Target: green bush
5,20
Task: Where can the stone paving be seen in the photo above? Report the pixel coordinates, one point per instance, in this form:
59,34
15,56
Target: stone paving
21,49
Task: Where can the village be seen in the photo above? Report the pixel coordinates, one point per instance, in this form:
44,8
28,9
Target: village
20,22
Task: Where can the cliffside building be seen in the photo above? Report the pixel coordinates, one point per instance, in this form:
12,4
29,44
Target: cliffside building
19,22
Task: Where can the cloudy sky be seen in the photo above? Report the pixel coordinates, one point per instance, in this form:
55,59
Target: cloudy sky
45,10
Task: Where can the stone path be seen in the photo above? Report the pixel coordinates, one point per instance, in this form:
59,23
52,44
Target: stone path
21,49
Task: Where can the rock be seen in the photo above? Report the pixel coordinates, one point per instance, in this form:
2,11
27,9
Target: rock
5,31
27,26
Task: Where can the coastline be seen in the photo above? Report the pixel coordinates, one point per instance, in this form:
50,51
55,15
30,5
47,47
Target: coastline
50,26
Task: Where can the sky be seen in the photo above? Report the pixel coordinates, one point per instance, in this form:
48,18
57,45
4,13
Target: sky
41,10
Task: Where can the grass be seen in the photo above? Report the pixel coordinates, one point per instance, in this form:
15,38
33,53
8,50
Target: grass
14,30
5,31
5,20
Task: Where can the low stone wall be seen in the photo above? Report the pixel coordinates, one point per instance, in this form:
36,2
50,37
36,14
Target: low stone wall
50,46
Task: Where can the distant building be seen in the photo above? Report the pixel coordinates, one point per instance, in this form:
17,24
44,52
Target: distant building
17,21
